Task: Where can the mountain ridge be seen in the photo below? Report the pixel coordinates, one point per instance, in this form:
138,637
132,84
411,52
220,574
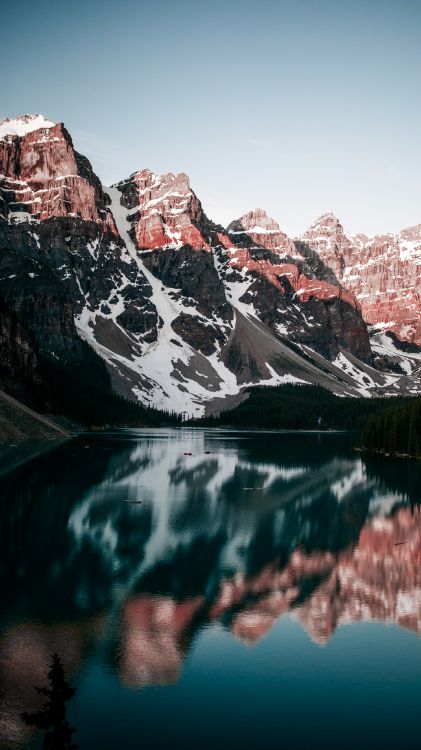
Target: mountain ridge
184,312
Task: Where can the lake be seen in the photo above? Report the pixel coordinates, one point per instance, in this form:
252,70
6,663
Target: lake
263,592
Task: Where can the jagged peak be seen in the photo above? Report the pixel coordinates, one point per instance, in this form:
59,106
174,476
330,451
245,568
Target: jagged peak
327,219
255,213
412,232
24,124
255,221
146,179
146,172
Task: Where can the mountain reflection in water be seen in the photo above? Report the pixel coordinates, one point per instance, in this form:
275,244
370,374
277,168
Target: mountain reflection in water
262,526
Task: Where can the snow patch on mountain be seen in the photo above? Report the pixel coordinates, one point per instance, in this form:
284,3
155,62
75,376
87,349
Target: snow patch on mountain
23,125
159,361
384,272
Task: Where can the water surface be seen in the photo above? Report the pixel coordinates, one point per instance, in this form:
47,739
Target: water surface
264,592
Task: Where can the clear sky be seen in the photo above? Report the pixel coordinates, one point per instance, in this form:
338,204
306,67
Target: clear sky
296,107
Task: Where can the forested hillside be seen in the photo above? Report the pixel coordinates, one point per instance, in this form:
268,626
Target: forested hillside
395,430
76,387
299,407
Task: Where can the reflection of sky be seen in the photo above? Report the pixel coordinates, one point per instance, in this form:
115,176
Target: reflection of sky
359,690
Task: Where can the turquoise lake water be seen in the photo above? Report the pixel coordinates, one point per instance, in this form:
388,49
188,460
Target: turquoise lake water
264,592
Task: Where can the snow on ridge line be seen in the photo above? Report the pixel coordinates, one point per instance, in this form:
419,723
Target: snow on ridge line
256,230
157,362
24,124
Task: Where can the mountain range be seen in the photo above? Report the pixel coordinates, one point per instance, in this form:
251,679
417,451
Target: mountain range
135,283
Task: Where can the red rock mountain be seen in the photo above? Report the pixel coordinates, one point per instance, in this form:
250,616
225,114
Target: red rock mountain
263,231
60,260
166,210
295,294
256,230
384,272
42,175
183,313
209,274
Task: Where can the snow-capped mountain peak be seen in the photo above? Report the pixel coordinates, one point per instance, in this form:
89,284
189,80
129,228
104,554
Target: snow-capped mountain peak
327,218
256,221
259,229
23,125
165,210
384,272
185,315
327,225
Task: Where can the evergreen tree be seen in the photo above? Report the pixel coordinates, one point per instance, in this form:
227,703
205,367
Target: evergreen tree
52,717
301,407
395,430
414,439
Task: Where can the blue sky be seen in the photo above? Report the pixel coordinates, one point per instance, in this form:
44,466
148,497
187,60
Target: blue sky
296,107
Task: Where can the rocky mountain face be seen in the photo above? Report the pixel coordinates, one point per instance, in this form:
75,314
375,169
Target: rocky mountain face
384,273
60,249
184,314
295,296
174,238
210,342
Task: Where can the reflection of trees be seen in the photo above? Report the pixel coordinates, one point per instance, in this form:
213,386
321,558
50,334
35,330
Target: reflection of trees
402,476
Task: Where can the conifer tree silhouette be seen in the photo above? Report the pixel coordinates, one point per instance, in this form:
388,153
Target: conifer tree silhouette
52,717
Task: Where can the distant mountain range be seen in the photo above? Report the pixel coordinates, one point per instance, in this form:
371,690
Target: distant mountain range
187,314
